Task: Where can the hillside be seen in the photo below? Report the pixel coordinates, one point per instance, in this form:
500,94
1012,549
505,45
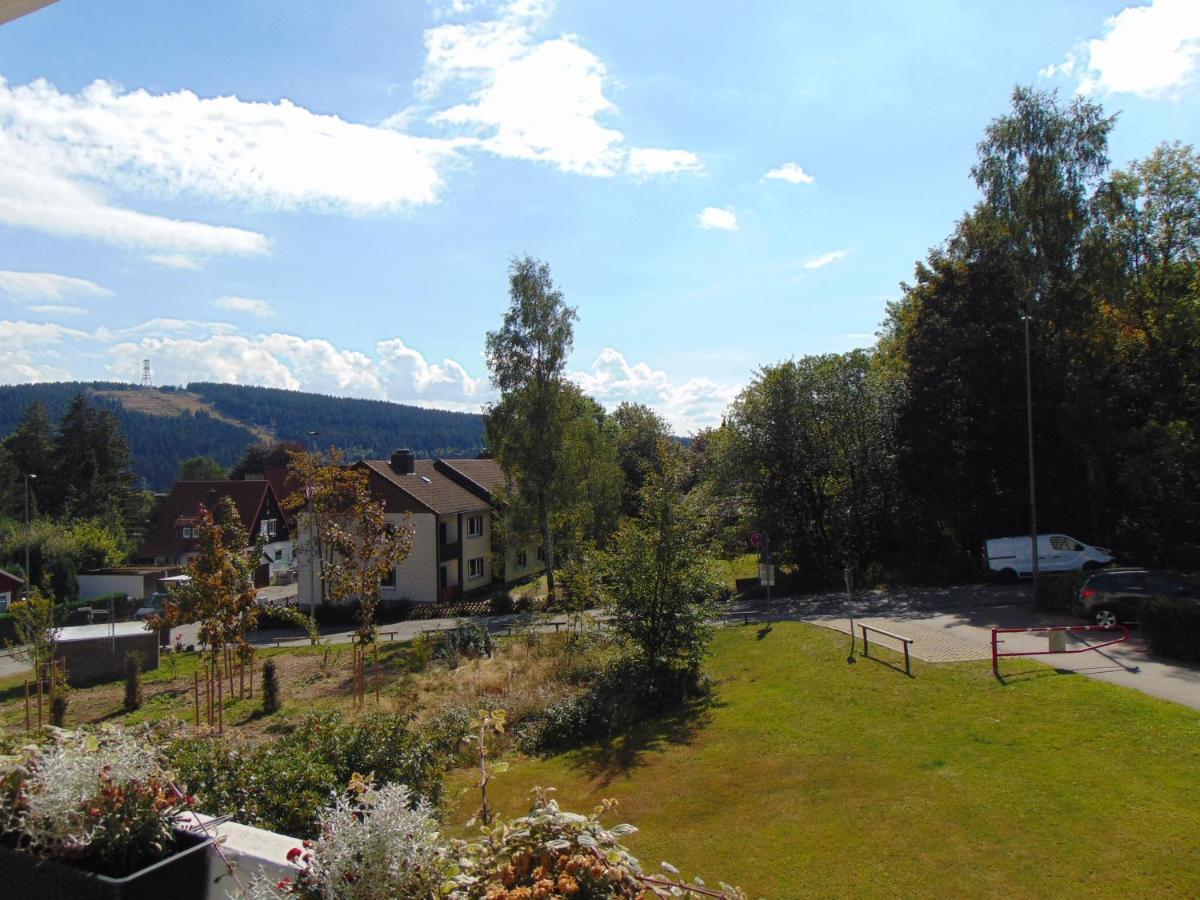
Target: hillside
168,425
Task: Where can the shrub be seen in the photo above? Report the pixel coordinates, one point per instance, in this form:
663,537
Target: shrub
501,603
466,639
282,785
1057,592
98,799
270,687
380,843
58,705
133,681
1171,627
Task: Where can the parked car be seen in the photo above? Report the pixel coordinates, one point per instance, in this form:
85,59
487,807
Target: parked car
1009,557
151,606
1117,595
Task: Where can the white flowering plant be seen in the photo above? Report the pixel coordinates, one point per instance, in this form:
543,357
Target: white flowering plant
102,800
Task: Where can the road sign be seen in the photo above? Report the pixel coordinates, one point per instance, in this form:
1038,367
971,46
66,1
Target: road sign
766,575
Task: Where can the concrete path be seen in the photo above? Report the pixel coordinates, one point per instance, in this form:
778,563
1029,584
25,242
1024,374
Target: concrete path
947,626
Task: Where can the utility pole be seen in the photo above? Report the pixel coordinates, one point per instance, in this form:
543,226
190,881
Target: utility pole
1033,541
312,545
27,532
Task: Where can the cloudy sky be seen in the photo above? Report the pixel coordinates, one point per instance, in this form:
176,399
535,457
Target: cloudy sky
325,196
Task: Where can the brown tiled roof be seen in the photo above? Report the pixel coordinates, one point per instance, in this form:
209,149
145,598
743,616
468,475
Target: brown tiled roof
430,488
184,502
480,476
9,582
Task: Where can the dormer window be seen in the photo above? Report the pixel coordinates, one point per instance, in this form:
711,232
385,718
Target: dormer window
267,528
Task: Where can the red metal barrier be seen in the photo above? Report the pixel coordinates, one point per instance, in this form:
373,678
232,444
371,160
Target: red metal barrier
996,654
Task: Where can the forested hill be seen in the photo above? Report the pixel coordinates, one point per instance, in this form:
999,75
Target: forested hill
168,425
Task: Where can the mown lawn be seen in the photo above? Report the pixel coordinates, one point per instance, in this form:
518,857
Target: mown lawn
807,776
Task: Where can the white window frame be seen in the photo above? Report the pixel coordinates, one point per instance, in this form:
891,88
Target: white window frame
475,568
267,528
475,526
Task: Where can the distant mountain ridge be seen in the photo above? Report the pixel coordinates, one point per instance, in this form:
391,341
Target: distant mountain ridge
168,425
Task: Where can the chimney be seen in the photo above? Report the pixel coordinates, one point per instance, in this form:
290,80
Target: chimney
403,462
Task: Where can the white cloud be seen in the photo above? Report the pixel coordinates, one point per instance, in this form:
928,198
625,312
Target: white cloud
648,161
260,308
694,404
1146,50
395,372
406,373
716,217
791,173
48,286
59,309
173,260
819,262
524,97
25,348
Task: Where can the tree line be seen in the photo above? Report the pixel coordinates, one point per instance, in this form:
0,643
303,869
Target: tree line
901,459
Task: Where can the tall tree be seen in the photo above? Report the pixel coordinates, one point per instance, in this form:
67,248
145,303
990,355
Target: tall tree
366,549
29,450
201,468
526,427
92,466
643,443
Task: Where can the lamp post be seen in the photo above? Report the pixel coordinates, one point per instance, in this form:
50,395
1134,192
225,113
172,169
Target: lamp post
1033,549
312,547
27,532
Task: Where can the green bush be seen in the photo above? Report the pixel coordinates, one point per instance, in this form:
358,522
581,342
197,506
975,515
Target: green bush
1171,626
270,688
1057,592
281,785
501,603
133,681
468,640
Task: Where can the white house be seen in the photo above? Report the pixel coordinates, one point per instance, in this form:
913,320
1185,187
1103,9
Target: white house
449,504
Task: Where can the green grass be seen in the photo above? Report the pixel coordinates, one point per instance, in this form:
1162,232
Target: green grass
744,566
806,776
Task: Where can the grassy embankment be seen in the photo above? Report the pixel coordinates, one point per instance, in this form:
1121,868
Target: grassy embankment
807,776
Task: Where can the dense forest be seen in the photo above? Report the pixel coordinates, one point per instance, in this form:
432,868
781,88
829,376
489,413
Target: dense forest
239,415
368,428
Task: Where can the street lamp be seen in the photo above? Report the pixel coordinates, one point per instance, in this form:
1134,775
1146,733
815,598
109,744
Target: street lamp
27,531
1033,549
312,548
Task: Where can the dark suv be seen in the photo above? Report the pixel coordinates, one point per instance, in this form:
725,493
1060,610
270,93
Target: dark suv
1116,595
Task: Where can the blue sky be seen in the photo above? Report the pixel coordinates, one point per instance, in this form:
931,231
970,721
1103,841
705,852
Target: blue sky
325,196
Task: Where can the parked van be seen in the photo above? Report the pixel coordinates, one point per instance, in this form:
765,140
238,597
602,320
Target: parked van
1009,557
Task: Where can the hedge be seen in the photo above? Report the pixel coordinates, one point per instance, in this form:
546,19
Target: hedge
1171,626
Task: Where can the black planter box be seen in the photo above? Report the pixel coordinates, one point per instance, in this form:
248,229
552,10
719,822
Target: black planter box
181,876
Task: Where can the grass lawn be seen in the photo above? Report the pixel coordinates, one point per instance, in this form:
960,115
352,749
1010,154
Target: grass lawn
807,776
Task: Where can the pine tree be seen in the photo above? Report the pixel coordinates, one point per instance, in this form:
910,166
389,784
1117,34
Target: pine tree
29,451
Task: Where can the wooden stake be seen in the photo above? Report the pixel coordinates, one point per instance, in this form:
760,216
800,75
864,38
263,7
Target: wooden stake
252,662
220,706
196,694
27,724
39,695
376,648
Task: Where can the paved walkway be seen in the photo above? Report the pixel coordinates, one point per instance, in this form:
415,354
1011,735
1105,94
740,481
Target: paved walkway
928,643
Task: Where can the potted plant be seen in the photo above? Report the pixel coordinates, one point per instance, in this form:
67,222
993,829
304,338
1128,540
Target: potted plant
93,815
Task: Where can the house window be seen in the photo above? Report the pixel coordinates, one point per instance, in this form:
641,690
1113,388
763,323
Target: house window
474,526
278,554
388,580
541,553
475,567
522,558
267,527
187,531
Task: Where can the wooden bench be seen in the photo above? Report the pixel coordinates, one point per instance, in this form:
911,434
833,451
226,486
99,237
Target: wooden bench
906,641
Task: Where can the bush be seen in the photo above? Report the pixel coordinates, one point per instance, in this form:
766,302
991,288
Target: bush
468,640
1171,627
626,691
501,603
270,687
58,706
1057,592
281,785
133,681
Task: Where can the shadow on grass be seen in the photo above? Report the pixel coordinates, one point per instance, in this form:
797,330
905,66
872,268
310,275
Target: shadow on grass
1020,676
884,662
619,755
763,632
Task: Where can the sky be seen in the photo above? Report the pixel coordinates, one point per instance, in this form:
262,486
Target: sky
327,196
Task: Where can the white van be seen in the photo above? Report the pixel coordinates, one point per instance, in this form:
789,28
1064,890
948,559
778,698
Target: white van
1009,558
